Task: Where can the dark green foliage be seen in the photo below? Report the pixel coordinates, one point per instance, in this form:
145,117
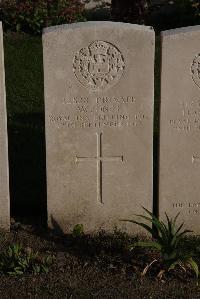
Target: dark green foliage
167,241
186,13
33,15
163,15
16,260
189,8
129,11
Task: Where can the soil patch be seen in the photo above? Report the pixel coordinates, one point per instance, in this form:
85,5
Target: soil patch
91,267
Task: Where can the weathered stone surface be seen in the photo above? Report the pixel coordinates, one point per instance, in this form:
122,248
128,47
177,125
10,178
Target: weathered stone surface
4,179
99,123
180,125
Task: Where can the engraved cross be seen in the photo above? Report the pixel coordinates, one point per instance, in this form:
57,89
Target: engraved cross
99,162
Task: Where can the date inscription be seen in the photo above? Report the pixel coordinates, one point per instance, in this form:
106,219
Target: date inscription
188,119
192,208
99,112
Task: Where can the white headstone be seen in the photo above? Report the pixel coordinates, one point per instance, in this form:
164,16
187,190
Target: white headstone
4,173
99,82
180,126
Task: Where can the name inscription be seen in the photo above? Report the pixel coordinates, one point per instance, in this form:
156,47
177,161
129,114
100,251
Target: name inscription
99,112
189,117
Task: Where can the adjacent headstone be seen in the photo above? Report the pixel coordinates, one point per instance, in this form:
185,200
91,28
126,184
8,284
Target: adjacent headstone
180,126
99,123
4,177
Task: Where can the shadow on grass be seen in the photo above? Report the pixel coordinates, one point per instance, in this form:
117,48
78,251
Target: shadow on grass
27,167
26,137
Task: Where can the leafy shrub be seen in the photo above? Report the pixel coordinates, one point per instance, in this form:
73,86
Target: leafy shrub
129,11
16,261
78,231
33,15
188,12
191,6
167,242
173,14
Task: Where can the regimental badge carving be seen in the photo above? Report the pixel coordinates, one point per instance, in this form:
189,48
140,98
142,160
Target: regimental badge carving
98,66
195,69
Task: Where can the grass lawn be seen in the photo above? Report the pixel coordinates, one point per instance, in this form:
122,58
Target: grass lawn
25,104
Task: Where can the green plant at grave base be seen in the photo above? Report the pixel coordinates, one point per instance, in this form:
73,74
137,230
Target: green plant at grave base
78,231
167,242
41,265
16,260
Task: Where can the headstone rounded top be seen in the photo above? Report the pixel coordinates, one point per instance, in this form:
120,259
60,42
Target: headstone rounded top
98,66
182,30
93,24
